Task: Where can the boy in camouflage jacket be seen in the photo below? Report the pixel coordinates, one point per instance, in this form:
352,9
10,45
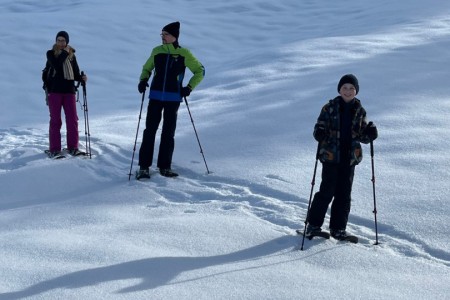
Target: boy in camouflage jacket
340,129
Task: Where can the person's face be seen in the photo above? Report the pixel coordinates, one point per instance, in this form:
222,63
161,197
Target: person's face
61,42
347,92
167,38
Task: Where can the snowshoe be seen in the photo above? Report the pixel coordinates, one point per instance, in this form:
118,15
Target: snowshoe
142,174
167,173
313,231
76,152
54,154
341,235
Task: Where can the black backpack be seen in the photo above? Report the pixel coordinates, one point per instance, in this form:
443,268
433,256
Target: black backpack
47,75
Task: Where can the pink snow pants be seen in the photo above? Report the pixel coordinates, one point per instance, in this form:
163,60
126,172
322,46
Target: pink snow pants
56,101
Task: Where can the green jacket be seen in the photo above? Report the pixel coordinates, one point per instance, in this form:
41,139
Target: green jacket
168,63
329,120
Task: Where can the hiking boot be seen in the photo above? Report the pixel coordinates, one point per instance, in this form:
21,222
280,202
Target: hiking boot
339,234
143,174
312,229
167,173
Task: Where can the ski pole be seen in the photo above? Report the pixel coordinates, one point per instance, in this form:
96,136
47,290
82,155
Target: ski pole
137,133
87,132
313,182
374,198
198,140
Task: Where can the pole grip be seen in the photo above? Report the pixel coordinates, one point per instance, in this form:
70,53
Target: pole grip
371,148
318,151
83,83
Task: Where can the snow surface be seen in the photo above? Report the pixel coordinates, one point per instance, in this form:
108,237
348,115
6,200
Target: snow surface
78,229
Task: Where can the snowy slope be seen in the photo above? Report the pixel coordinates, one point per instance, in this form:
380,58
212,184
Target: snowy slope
78,229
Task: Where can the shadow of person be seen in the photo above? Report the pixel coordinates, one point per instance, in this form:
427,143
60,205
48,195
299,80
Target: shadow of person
153,272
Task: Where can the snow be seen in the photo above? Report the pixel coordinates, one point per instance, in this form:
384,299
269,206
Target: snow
78,229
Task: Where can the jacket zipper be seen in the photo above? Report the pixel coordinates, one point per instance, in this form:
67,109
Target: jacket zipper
165,74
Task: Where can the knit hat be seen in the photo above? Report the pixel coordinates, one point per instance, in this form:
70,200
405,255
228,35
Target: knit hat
173,29
64,35
349,78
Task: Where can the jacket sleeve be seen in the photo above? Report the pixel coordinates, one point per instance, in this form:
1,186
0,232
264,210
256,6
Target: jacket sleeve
363,137
322,121
76,69
148,67
196,68
359,127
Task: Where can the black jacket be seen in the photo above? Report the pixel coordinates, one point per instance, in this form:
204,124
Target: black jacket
55,82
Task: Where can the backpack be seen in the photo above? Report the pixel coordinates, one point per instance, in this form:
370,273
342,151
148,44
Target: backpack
47,75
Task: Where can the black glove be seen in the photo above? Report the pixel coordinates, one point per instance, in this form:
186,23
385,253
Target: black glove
142,86
186,91
371,131
320,134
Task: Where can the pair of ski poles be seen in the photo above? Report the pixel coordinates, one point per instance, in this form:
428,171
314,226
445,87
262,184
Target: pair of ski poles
84,106
137,133
373,188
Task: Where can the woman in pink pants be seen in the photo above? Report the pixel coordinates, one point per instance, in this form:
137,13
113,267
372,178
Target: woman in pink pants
61,73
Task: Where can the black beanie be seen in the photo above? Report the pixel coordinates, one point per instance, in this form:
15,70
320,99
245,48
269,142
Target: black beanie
348,78
173,29
64,35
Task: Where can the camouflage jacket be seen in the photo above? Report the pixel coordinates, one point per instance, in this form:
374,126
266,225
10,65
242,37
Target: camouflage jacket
329,120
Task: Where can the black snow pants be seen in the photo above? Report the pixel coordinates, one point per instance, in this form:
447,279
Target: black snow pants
168,110
337,181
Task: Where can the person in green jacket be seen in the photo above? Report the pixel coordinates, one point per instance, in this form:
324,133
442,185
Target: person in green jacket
168,63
